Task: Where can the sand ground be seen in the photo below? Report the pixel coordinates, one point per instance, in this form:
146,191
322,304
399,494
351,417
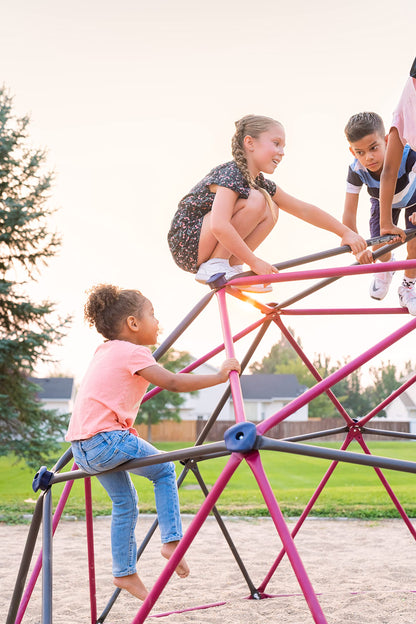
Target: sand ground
362,571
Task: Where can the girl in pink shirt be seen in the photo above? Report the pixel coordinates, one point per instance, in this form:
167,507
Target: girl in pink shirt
101,428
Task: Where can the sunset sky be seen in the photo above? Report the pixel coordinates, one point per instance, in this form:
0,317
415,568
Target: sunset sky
136,101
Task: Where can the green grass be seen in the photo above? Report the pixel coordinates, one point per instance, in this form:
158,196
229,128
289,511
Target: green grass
353,491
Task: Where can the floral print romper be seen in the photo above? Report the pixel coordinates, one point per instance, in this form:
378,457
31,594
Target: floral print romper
185,229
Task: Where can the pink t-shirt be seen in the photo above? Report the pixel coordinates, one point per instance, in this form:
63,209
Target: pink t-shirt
110,393
404,117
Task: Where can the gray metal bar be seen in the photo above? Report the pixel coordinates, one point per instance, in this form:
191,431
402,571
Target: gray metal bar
47,558
329,253
192,452
212,419
269,444
325,282
317,434
184,324
253,590
26,559
140,551
389,434
63,460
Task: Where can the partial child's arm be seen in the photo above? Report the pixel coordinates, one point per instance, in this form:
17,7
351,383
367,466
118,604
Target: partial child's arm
187,382
388,179
314,215
349,218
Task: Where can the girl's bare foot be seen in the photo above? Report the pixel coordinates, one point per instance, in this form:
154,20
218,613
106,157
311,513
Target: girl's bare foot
133,584
167,550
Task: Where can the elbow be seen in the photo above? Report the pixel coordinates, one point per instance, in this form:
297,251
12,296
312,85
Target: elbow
173,384
217,229
387,172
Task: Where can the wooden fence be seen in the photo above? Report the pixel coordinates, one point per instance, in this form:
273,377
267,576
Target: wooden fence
188,430
170,431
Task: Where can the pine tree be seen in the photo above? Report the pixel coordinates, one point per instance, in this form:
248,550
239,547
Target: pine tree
27,329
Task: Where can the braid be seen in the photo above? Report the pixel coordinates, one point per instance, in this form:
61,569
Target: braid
250,125
239,154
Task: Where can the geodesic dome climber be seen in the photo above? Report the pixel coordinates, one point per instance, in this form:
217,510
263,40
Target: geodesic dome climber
243,442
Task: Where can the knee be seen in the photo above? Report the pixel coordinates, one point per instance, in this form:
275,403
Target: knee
126,503
411,248
263,208
167,472
257,203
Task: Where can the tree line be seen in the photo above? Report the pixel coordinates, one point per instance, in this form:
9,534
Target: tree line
357,398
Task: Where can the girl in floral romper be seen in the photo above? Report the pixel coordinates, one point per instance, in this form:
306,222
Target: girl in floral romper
224,218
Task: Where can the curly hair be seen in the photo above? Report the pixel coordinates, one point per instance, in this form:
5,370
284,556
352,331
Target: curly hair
362,124
250,125
108,306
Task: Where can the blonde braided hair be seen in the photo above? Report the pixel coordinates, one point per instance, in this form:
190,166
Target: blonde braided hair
250,125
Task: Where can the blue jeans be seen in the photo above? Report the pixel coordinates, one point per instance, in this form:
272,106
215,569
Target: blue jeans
107,450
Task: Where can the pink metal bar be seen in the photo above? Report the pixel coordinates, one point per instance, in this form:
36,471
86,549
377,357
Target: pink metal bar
355,269
389,491
90,548
231,466
334,378
351,435
229,350
313,370
387,401
305,513
340,311
38,565
254,461
239,294
208,356
199,608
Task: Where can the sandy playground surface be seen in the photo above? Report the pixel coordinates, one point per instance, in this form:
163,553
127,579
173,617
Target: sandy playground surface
362,572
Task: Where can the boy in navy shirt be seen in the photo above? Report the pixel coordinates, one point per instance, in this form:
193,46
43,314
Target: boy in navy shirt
366,136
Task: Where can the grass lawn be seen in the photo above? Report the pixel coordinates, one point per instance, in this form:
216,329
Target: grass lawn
353,491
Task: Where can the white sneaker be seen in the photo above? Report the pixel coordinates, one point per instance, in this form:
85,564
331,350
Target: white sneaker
235,269
380,285
407,298
254,288
211,267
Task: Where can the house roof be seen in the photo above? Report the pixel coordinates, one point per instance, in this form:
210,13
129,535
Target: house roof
266,387
407,400
57,388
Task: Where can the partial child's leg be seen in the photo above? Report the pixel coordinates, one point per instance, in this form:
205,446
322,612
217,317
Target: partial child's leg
411,255
133,584
253,220
167,550
407,289
163,478
123,523
103,452
385,257
380,283
260,232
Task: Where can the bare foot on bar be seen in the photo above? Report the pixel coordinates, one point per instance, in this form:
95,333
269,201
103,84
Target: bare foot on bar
133,584
167,550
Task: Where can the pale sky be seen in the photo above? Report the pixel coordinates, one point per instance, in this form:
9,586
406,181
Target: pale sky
136,101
